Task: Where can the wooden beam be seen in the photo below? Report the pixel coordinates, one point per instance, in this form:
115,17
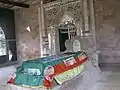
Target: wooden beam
14,3
47,1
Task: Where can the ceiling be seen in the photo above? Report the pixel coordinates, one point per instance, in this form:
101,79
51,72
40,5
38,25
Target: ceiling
11,3
20,3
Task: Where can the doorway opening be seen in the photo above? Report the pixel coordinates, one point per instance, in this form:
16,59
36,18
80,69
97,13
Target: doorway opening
67,30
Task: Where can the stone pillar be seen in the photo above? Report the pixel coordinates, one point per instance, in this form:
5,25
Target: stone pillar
27,40
85,13
89,30
92,22
43,32
40,30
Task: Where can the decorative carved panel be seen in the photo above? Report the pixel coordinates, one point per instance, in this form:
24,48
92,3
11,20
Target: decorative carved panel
55,13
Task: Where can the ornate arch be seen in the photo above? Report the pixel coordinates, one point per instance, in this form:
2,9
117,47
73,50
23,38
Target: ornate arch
67,16
2,43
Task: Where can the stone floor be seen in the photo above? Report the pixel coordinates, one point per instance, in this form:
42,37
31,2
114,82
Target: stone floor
109,78
92,79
